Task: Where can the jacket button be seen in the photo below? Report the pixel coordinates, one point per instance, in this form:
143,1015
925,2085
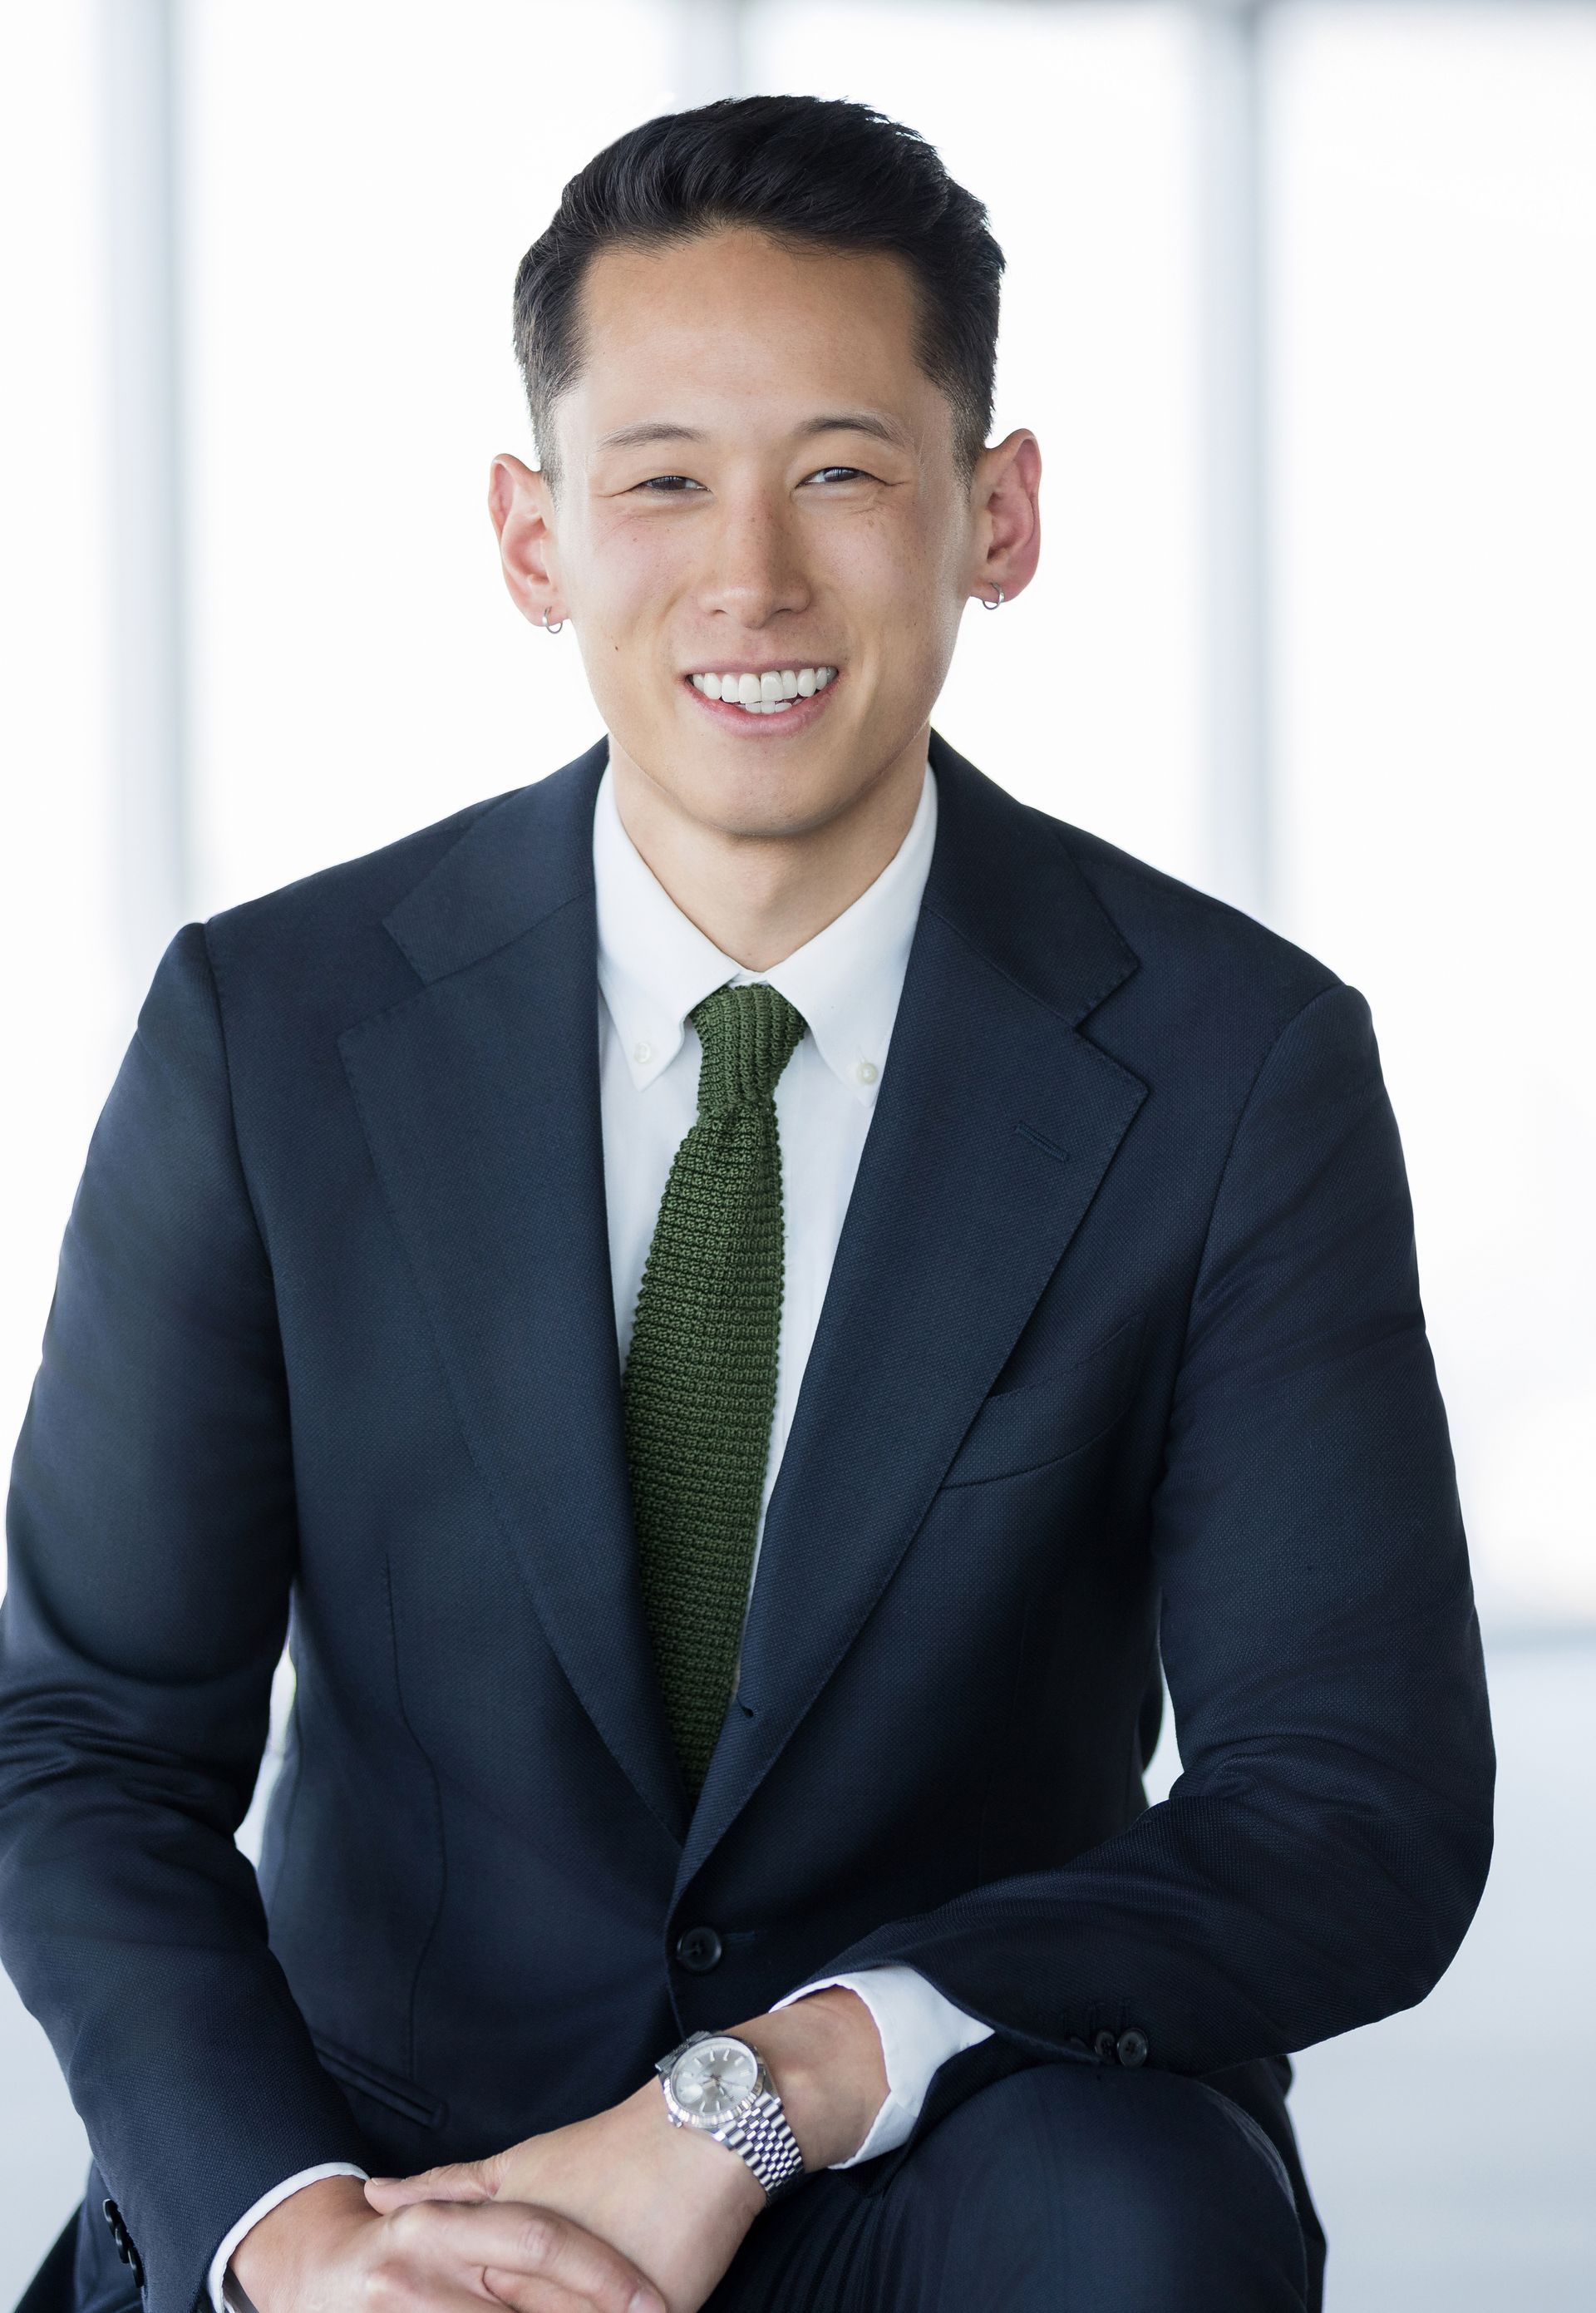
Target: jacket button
123,2239
1133,2046
699,1948
1105,2045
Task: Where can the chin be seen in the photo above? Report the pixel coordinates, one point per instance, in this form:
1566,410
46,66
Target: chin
780,800
736,788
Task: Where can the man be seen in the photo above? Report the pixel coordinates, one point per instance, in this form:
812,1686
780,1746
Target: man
728,1479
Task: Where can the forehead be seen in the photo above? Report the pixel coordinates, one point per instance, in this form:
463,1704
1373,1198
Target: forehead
732,328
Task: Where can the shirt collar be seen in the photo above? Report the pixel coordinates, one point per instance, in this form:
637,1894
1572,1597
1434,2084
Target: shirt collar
655,963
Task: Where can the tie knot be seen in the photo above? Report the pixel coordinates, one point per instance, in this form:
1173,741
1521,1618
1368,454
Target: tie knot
749,1033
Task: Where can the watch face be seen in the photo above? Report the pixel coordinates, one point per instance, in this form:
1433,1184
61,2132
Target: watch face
713,2079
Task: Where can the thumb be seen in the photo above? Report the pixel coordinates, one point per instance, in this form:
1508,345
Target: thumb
462,2180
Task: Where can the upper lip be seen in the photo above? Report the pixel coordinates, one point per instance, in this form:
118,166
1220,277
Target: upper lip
745,666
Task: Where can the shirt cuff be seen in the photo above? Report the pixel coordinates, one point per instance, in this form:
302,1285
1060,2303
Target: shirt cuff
263,2207
920,2028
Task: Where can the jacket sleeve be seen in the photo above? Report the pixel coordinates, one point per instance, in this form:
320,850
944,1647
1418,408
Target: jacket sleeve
1317,1863
151,1543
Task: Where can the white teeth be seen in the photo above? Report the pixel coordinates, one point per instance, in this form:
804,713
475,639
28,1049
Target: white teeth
764,694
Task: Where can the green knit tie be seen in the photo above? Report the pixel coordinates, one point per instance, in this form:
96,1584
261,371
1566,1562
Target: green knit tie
699,1389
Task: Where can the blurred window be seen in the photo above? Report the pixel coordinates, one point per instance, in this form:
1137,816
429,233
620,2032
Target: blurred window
349,237
1432,192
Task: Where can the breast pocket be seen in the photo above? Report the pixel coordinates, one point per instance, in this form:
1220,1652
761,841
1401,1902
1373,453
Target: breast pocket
1020,1429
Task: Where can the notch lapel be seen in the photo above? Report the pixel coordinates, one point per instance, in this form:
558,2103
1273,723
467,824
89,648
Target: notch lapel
994,1124
479,1098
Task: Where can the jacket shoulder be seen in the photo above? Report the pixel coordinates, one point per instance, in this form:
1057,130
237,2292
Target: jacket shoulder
368,886
1188,940
320,939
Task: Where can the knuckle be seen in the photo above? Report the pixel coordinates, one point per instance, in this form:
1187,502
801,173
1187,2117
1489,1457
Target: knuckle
613,2281
405,2223
542,2235
617,2289
387,2286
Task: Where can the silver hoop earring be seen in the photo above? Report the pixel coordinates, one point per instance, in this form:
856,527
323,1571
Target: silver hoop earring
986,605
558,624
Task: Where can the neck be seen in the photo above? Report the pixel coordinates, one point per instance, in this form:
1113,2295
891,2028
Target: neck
761,894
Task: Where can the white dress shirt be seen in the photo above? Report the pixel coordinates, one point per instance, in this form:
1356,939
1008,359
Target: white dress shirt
654,965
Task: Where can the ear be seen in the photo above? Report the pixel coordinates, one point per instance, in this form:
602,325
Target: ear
519,506
1005,491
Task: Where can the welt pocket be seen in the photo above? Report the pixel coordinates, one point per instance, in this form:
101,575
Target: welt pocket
1043,1420
404,2096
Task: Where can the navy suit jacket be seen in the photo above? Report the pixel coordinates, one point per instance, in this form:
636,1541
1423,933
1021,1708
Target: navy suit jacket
1123,1351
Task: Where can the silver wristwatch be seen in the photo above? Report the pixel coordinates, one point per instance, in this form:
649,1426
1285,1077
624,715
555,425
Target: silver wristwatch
721,2085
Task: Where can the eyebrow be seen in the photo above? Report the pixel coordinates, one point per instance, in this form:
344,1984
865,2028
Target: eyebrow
845,421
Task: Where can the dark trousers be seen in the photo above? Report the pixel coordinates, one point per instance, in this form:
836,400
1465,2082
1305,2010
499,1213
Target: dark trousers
1066,2188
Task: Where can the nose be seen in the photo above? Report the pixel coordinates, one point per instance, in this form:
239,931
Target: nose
753,569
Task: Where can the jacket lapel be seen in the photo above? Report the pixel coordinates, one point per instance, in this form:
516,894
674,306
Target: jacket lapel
996,1122
479,1098
994,1127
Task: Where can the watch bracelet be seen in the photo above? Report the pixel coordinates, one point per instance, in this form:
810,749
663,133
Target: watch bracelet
763,2137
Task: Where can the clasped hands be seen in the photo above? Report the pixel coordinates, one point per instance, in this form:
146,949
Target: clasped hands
620,2212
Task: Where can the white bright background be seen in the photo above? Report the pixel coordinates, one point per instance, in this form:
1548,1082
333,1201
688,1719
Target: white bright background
358,183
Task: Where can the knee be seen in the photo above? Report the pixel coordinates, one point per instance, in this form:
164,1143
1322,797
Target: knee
1113,2187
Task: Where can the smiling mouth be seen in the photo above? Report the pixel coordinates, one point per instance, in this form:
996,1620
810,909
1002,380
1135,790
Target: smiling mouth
772,692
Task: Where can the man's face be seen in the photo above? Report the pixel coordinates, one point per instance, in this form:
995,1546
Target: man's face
763,528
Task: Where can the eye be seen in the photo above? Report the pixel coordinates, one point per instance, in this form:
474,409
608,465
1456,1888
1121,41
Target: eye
673,485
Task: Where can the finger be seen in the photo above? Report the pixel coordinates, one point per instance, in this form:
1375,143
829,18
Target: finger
524,2295
523,2240
462,2180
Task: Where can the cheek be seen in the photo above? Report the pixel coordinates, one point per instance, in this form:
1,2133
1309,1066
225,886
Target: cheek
893,568
616,638
634,573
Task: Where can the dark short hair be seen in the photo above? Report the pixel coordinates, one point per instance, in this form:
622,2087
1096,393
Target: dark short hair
806,169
